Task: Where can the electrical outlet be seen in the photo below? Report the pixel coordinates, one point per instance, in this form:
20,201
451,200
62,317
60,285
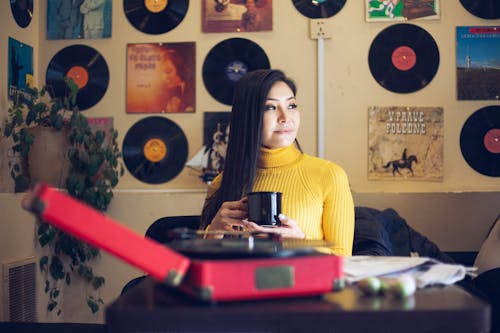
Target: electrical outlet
319,28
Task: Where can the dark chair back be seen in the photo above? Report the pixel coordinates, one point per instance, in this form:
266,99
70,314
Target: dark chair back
159,231
160,228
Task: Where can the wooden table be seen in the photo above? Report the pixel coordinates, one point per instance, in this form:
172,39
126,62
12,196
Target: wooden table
152,307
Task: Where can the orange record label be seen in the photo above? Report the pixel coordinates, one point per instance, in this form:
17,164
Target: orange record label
492,141
79,75
155,6
155,150
404,58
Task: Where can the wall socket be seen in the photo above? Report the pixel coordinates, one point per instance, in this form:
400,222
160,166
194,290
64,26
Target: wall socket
319,28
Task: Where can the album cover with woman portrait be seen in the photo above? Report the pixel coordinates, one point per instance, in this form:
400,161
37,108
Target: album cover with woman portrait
79,19
401,10
237,15
161,77
20,76
405,143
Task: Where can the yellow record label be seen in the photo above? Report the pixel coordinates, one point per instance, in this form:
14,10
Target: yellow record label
155,6
155,150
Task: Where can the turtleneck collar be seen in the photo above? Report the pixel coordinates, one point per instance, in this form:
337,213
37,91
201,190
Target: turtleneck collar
272,158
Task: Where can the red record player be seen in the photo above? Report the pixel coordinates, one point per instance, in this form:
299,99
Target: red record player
226,269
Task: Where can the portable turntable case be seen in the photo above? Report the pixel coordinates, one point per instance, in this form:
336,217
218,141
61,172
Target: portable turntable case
207,279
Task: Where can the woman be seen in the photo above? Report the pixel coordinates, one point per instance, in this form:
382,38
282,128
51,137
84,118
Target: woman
264,155
176,91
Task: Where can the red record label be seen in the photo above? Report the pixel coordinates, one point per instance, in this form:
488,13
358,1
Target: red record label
492,141
404,58
79,75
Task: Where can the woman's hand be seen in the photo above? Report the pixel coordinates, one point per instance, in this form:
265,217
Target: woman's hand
288,228
230,216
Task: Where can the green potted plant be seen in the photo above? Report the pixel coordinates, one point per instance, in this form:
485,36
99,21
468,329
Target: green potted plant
94,168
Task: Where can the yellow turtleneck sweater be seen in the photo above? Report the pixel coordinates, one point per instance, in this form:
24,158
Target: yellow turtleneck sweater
316,194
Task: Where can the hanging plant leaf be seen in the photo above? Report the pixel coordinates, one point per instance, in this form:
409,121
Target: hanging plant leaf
94,169
56,268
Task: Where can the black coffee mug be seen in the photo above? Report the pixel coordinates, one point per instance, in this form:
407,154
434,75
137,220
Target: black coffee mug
264,208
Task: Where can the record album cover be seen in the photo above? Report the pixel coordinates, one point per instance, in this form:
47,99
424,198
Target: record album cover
478,63
401,10
74,19
102,124
209,160
237,15
161,77
405,143
20,77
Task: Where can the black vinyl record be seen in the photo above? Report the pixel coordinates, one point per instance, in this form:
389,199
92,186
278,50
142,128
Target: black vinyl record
22,10
486,9
480,141
403,58
318,9
229,61
155,150
155,16
86,67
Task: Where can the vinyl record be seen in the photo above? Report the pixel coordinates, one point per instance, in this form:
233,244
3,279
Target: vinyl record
234,244
319,9
486,9
480,141
155,16
86,67
229,61
155,150
22,10
403,58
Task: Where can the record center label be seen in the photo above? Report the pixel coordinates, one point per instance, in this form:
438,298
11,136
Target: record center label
236,70
79,75
155,6
155,150
492,141
404,58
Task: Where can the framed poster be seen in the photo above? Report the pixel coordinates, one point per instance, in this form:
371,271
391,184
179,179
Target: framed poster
401,10
236,15
405,143
478,63
105,125
74,19
209,160
20,79
161,77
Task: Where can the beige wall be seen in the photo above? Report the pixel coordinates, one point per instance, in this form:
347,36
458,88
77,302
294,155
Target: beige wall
455,212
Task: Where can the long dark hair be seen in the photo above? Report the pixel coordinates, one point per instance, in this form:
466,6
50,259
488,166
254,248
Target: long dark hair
244,144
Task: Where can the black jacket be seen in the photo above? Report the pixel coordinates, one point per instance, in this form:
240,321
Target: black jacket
385,233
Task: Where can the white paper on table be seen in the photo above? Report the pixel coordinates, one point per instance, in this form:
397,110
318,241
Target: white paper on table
426,271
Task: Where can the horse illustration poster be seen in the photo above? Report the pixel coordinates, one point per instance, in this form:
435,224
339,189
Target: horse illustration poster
401,10
405,143
478,63
161,77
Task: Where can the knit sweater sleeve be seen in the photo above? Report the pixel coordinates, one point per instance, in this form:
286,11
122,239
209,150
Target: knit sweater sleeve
338,213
